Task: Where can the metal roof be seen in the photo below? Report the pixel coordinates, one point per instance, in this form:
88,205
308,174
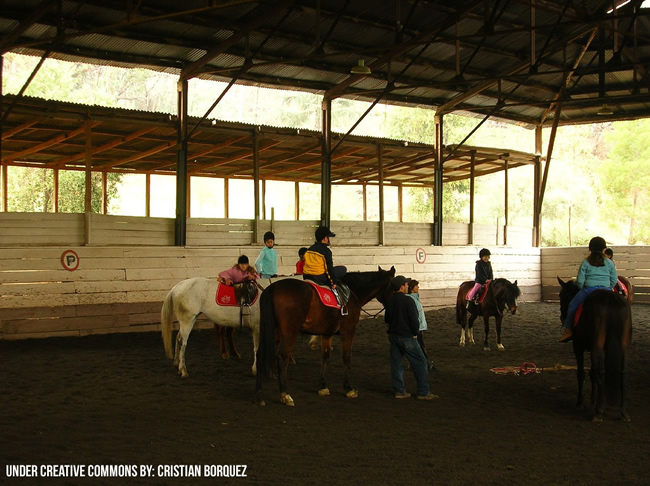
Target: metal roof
526,61
55,135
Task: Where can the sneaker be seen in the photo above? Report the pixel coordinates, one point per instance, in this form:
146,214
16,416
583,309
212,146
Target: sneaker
402,395
428,396
567,336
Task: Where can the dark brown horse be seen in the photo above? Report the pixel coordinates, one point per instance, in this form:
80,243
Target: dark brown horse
501,297
290,307
605,329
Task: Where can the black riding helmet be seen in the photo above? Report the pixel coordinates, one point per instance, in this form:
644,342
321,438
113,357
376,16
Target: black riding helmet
484,252
322,232
597,244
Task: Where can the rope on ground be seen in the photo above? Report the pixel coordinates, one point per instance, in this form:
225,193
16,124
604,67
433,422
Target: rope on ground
529,369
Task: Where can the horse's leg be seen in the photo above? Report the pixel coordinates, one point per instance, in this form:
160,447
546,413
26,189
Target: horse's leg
346,350
184,330
497,326
486,328
221,342
326,347
283,357
597,374
230,333
255,331
470,328
625,416
313,343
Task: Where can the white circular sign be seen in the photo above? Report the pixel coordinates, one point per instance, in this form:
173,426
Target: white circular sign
70,260
420,255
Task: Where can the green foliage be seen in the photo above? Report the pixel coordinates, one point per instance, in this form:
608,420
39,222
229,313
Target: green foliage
31,189
625,180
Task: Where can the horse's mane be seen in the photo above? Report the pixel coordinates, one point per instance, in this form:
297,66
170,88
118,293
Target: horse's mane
511,291
363,280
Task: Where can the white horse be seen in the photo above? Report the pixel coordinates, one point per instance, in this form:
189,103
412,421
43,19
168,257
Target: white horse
191,297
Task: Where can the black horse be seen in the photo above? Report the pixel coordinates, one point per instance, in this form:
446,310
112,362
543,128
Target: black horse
605,329
501,297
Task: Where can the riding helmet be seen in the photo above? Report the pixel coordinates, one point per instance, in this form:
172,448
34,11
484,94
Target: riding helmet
484,252
322,232
302,251
269,236
242,259
597,244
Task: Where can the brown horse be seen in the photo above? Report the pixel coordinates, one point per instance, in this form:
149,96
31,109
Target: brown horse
605,329
501,297
289,307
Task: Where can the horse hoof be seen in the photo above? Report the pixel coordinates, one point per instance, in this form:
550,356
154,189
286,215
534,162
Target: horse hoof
486,348
352,394
225,356
625,417
500,347
324,392
262,403
597,420
287,400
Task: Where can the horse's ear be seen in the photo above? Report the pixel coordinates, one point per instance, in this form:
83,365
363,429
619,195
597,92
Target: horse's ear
392,270
515,284
560,281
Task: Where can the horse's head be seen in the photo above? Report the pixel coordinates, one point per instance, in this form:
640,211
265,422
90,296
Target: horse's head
370,285
511,295
505,294
385,290
568,290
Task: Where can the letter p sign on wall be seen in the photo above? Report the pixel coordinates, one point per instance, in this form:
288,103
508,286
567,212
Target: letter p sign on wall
70,260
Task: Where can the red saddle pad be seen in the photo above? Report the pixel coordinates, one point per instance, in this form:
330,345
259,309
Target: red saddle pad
326,295
226,296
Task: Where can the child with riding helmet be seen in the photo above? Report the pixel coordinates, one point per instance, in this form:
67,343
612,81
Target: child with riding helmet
483,273
238,273
595,272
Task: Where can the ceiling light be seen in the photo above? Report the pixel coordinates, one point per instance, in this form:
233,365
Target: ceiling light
605,110
360,68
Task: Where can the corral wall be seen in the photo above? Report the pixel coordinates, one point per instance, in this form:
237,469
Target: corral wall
632,262
121,288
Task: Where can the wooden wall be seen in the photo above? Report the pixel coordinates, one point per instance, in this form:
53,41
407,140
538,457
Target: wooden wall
121,288
632,262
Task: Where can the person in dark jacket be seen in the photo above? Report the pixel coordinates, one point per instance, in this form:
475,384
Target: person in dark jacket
319,265
483,271
403,328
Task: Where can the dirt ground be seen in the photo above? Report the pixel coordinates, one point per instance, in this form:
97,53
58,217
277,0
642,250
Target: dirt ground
116,400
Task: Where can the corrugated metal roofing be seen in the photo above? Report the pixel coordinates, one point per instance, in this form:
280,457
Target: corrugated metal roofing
461,55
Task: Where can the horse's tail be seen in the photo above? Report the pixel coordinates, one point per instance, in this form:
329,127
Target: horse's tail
266,349
166,323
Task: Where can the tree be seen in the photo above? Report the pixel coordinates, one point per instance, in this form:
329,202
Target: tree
625,179
31,189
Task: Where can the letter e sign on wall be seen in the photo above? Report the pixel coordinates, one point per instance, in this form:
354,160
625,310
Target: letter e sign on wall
70,260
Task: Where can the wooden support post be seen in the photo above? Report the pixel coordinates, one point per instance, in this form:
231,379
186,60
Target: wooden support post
380,163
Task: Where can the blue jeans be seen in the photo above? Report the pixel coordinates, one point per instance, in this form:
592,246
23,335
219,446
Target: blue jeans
575,303
410,347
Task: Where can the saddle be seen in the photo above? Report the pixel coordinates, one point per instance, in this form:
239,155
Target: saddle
337,299
616,289
480,295
239,295
621,289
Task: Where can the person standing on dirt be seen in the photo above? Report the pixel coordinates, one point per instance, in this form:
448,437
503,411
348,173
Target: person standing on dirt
403,329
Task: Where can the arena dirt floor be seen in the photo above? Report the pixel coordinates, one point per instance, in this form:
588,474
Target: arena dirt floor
116,400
